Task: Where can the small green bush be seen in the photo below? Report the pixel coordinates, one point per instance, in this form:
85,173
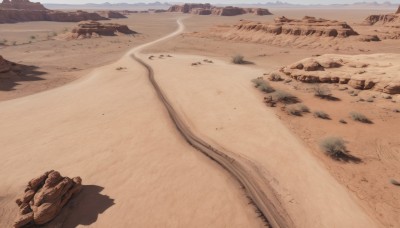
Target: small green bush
238,59
359,117
321,115
333,146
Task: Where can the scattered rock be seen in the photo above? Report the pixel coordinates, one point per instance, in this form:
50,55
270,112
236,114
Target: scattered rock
44,197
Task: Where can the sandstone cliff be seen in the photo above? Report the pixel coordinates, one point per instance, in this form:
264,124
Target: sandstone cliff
22,10
207,9
111,14
5,66
21,5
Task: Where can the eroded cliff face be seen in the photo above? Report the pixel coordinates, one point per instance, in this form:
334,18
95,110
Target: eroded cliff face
207,9
23,10
305,27
21,5
5,66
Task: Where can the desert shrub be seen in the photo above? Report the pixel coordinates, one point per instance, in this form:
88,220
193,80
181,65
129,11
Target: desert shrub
303,108
371,99
258,81
275,77
238,59
321,115
394,182
297,110
293,110
14,43
284,97
32,37
333,146
356,116
343,121
263,85
322,91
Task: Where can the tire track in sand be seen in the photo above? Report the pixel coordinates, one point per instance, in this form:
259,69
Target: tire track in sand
258,191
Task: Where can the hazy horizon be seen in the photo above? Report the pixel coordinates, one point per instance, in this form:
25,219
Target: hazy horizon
325,2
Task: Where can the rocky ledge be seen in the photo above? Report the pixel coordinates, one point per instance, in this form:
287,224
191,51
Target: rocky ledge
377,72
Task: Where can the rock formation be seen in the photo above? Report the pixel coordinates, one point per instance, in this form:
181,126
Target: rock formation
377,71
187,8
389,24
111,14
207,9
21,5
44,197
309,32
5,66
229,11
308,26
92,29
22,10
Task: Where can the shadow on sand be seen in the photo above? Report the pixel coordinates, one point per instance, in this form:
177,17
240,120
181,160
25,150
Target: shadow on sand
84,209
19,73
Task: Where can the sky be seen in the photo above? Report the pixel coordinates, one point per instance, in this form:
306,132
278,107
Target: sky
214,1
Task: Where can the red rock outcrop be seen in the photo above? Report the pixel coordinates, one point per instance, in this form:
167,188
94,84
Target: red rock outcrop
23,10
92,29
207,9
377,71
44,197
111,14
389,24
21,5
306,27
5,66
187,8
229,11
398,10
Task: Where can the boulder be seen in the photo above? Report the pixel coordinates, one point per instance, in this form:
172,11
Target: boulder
44,198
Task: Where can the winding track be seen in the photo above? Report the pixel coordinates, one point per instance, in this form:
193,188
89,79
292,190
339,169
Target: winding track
256,187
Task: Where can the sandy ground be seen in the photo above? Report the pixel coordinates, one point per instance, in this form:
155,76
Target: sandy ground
110,128
57,62
80,117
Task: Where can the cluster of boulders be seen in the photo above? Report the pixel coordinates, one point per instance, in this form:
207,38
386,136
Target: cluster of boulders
306,27
44,197
93,29
208,9
378,71
13,11
5,66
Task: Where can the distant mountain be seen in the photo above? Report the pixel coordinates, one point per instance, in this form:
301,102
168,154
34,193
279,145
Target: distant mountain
111,6
277,4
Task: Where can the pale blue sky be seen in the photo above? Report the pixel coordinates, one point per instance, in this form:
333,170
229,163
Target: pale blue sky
213,1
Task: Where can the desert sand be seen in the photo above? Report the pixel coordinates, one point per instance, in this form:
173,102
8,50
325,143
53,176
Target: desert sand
96,115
